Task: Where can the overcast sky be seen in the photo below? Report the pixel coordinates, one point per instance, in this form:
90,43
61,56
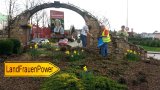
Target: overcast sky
143,15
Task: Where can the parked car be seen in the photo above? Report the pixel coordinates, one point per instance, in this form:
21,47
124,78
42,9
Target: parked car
63,42
40,41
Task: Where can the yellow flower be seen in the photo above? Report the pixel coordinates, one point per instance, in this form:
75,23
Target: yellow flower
82,50
36,46
29,25
67,52
85,68
128,50
30,47
75,52
48,43
125,53
135,52
71,55
57,49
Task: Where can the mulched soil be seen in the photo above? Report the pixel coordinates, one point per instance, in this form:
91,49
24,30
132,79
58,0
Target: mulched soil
12,83
142,75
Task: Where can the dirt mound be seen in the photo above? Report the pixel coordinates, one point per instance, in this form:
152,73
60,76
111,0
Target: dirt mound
140,75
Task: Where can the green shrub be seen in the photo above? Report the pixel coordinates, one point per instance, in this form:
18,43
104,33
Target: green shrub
52,40
48,46
34,53
132,55
144,41
86,81
103,83
158,43
147,43
92,82
6,47
58,55
98,83
63,82
16,46
75,55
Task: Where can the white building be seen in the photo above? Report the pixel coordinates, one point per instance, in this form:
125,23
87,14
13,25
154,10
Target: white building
151,35
147,35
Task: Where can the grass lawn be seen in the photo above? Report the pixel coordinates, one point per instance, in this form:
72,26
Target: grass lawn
156,49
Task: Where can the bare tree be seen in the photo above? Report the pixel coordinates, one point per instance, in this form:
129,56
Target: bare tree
104,20
12,10
39,16
45,19
14,7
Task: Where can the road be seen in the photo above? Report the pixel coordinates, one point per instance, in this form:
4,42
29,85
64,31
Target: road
155,55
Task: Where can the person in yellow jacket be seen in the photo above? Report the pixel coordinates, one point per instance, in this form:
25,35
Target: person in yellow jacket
106,39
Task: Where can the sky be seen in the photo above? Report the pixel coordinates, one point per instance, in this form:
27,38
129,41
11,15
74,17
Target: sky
143,15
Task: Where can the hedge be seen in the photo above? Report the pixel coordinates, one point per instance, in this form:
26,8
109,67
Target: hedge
6,47
145,41
16,46
10,46
68,81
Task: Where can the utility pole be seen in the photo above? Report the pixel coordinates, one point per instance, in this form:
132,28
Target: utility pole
9,18
127,15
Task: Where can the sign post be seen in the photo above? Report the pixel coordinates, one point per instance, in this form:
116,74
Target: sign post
29,69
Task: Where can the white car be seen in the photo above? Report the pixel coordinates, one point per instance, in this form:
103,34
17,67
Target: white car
40,41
